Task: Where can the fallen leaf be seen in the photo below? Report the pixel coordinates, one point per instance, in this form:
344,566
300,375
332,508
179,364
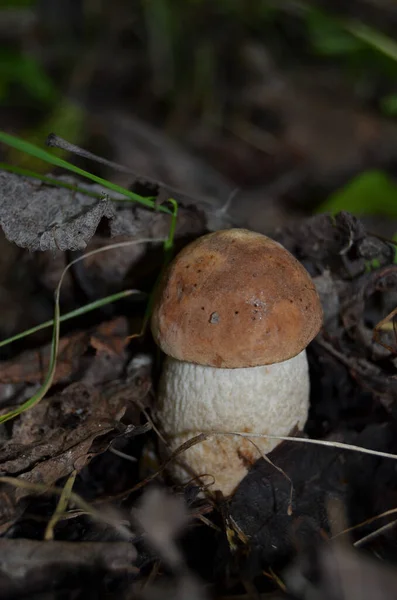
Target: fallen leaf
31,366
109,338
54,438
42,217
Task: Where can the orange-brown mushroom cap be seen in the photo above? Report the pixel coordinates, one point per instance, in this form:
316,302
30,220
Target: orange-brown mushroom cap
233,299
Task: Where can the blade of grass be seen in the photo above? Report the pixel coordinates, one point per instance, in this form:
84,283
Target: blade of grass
51,181
50,374
168,252
100,516
361,31
379,41
62,505
77,312
54,141
169,242
39,395
33,150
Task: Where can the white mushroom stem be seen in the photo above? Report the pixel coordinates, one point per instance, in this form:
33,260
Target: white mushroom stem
271,399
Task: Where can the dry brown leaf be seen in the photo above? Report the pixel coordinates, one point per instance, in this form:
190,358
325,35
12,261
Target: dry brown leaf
54,438
31,366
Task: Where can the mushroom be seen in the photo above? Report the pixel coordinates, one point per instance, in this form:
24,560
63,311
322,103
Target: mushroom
234,313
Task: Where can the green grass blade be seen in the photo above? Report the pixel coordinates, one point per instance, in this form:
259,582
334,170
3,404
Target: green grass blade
168,252
71,315
33,150
35,399
50,180
379,41
39,395
169,242
62,505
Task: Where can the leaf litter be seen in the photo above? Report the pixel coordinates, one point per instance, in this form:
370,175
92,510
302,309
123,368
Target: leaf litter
101,398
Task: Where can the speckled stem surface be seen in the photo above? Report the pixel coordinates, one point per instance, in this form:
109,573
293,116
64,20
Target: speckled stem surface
271,399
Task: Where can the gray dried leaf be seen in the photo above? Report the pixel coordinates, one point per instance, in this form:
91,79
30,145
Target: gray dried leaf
40,217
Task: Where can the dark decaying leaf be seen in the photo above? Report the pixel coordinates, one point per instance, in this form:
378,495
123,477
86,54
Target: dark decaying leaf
38,567
260,507
355,275
323,241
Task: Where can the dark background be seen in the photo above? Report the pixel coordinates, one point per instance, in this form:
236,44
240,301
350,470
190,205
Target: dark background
290,105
